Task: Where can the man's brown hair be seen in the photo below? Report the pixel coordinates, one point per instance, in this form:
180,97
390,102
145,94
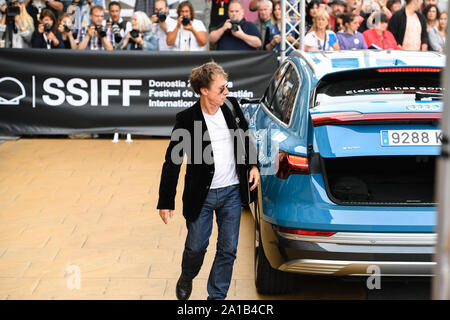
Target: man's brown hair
201,77
186,4
96,7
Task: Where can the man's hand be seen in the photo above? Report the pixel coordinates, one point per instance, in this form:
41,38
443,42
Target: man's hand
252,41
239,33
91,30
166,214
179,19
189,27
253,177
227,25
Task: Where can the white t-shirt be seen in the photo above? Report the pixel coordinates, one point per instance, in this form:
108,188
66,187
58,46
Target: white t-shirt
162,36
317,44
222,147
412,39
185,40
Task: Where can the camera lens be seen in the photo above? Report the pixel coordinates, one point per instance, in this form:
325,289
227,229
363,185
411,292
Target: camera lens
185,21
47,28
234,26
100,31
12,10
134,33
161,16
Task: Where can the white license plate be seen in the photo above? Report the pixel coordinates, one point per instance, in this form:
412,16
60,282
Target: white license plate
411,137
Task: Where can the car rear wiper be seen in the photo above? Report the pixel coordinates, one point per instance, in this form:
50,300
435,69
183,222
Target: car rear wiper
429,95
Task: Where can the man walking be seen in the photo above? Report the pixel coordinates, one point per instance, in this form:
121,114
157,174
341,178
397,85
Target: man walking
161,23
215,179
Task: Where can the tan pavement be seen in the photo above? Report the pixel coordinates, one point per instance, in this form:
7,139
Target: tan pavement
78,220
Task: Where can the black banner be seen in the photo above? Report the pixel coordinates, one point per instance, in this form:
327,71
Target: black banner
69,91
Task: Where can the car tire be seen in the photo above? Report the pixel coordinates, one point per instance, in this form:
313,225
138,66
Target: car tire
267,279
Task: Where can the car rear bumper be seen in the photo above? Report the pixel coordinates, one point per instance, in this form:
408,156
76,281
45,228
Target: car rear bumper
359,268
350,253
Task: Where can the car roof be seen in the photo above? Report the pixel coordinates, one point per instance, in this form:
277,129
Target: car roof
326,62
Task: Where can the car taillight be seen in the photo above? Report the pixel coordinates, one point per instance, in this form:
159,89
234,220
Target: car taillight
291,164
410,69
322,119
305,232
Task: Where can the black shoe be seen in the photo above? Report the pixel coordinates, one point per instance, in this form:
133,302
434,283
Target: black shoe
184,289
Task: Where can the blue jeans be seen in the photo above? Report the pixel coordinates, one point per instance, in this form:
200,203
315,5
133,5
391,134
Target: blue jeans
226,202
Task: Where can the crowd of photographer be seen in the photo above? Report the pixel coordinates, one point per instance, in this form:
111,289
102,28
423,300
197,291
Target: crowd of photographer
330,25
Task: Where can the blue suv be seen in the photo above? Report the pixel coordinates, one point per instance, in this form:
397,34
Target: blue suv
347,143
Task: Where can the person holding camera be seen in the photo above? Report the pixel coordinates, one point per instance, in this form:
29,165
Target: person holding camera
236,33
45,37
161,23
141,37
95,36
275,32
119,26
16,25
65,29
189,34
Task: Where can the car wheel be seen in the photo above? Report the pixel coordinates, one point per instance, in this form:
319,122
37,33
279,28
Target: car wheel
267,279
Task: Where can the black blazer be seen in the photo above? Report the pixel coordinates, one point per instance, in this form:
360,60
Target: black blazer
199,173
397,25
38,41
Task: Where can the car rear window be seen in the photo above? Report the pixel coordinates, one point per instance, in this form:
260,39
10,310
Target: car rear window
374,82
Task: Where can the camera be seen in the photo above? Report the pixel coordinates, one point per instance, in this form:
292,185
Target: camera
134,33
115,27
67,28
47,28
185,21
235,25
161,15
100,31
11,9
